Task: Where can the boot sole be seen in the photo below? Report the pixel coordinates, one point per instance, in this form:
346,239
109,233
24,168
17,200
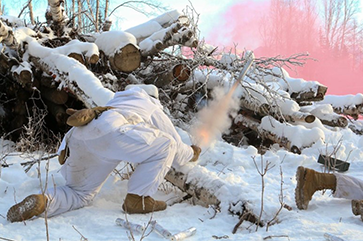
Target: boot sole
24,210
299,194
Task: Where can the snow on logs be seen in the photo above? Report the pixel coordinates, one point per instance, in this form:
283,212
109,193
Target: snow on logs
351,105
81,51
208,189
300,90
166,30
23,74
121,49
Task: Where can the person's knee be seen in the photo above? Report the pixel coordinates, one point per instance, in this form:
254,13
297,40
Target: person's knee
83,198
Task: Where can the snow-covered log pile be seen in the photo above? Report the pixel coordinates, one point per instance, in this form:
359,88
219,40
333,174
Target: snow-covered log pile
53,66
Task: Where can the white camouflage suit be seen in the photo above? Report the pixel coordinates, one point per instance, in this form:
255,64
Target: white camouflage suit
348,187
136,131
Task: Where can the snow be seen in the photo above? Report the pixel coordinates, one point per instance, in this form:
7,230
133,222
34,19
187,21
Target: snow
111,42
343,101
76,46
220,164
293,133
154,25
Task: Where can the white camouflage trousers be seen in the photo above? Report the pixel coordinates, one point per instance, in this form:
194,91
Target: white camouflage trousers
91,161
348,187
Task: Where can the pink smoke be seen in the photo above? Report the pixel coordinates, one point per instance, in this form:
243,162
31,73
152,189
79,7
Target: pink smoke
294,29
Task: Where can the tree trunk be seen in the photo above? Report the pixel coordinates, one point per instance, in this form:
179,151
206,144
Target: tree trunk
97,13
56,11
107,25
79,17
106,9
30,6
73,13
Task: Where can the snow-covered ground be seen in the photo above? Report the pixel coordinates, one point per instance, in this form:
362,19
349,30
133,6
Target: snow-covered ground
235,166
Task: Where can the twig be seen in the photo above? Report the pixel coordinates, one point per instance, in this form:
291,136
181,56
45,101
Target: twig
281,199
82,237
276,236
6,239
262,173
31,163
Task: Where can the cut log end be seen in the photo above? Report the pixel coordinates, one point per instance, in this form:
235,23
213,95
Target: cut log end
127,59
181,72
309,119
93,59
342,122
77,56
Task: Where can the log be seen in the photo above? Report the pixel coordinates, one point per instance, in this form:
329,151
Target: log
47,81
326,114
165,75
19,108
58,112
175,34
265,109
127,59
71,87
93,59
181,72
357,129
204,197
260,109
59,97
335,121
6,63
312,94
299,116
352,110
23,74
77,56
265,134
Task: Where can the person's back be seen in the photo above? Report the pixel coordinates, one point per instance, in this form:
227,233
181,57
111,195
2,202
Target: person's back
136,100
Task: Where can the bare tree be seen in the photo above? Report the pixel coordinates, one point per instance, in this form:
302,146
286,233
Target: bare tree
97,14
31,14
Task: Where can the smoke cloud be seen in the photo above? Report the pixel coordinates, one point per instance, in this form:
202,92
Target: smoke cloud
213,120
273,27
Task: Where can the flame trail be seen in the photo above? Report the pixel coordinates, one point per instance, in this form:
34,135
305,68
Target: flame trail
213,120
